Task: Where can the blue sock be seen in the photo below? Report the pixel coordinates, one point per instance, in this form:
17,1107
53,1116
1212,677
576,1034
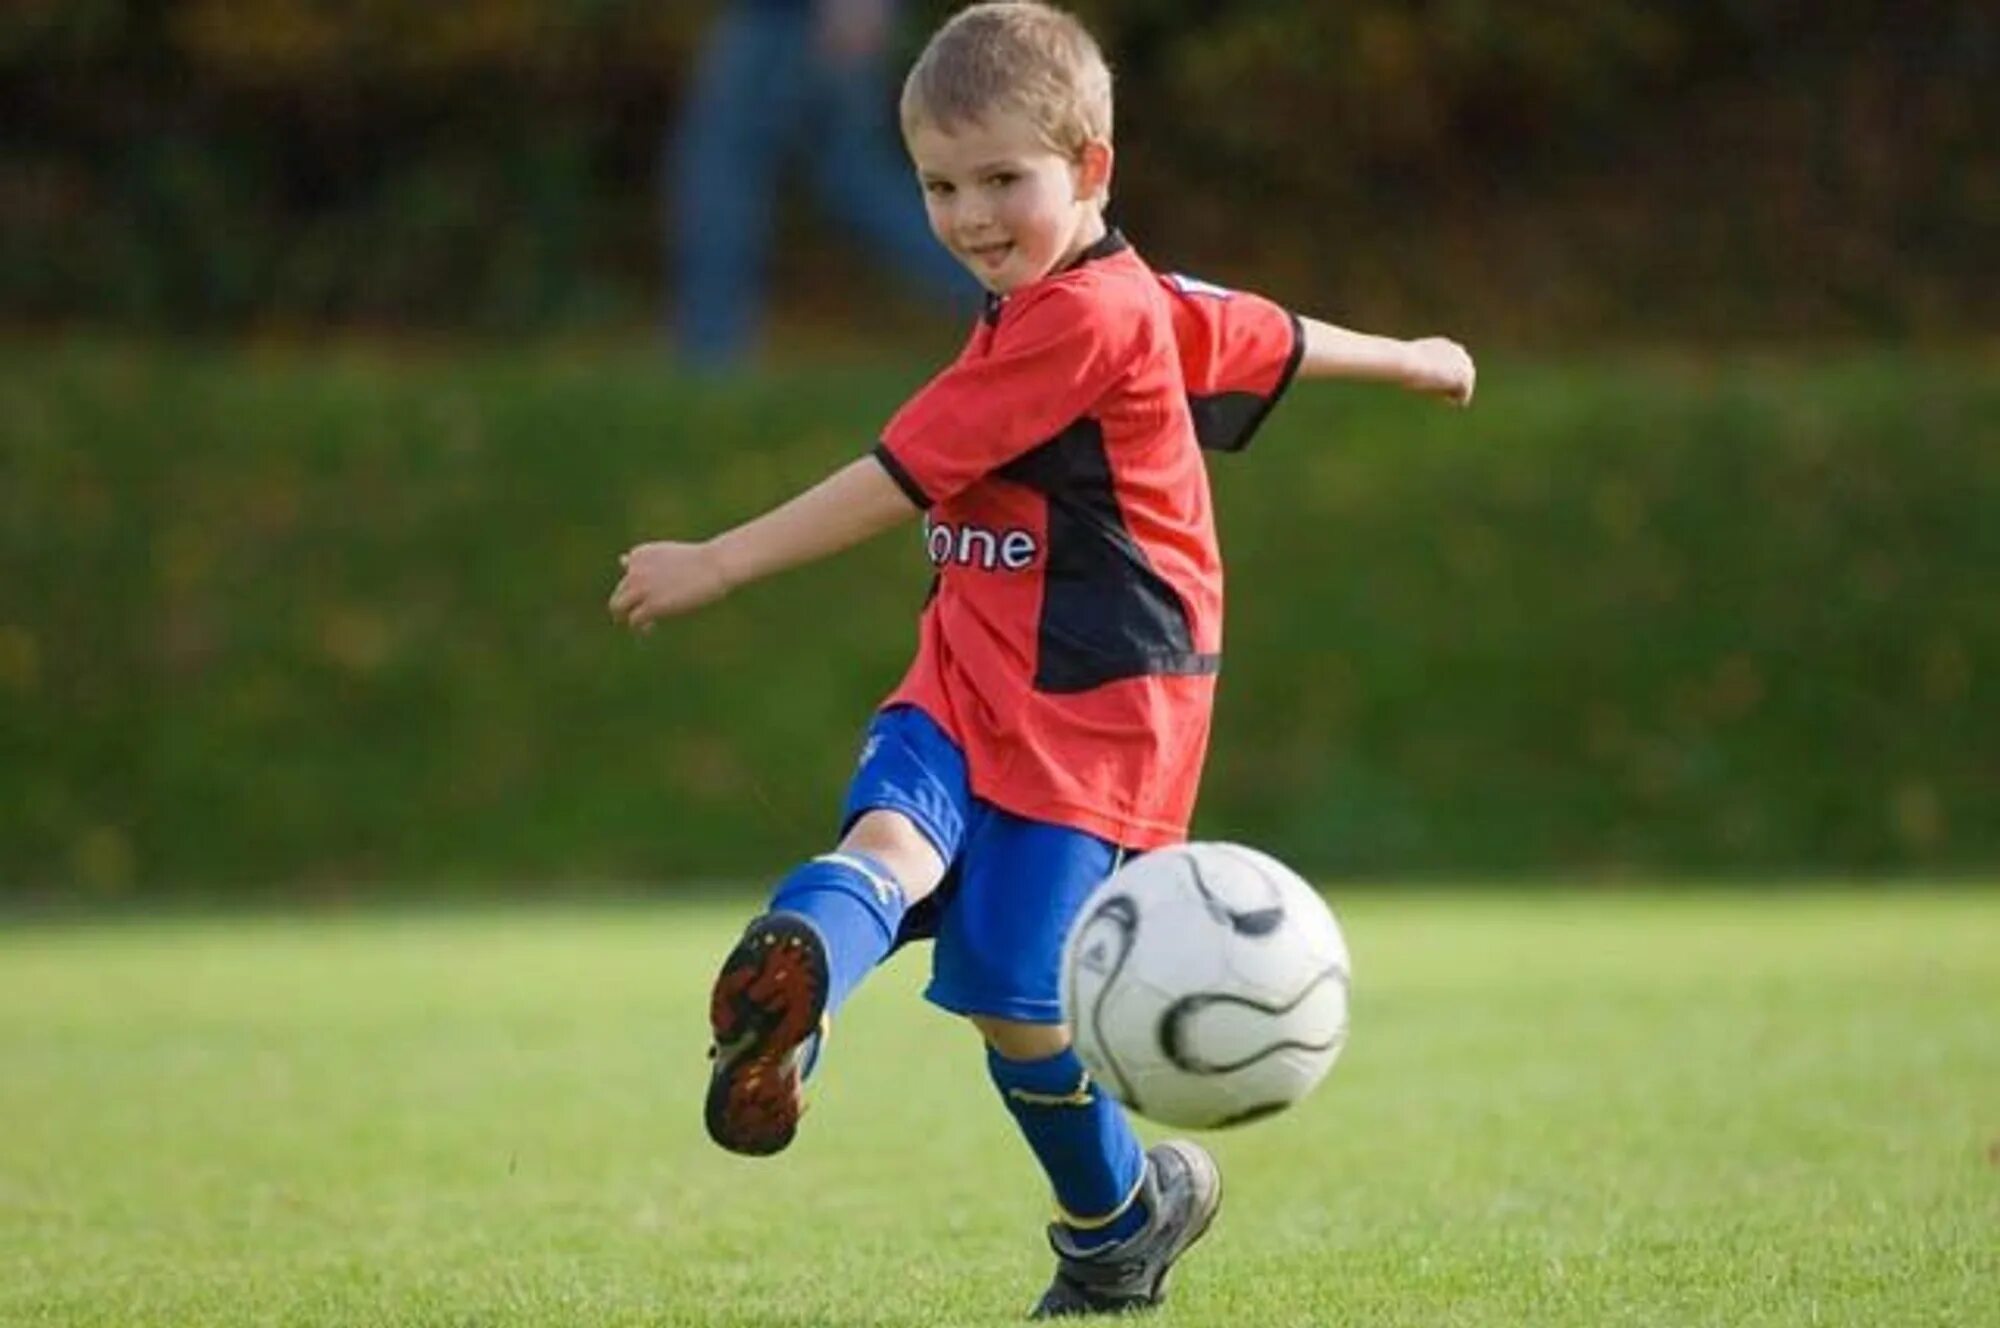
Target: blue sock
857,905
1083,1141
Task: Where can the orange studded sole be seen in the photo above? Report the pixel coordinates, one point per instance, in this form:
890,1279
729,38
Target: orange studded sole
767,1001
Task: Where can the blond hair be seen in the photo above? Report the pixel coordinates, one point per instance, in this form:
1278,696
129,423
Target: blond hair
1020,57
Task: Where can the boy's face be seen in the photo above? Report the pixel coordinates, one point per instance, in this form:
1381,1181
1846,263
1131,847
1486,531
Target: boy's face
1006,204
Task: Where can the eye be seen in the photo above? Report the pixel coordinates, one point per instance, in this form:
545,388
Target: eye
1001,179
938,188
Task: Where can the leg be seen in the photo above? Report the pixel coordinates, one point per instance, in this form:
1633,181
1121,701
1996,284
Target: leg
734,131
998,951
1022,1042
1124,1215
865,182
893,839
830,922
1119,1261
855,897
1077,1132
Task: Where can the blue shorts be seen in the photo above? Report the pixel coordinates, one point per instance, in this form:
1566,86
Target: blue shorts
1012,886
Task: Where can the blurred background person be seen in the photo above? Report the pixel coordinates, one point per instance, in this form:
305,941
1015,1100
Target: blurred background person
781,83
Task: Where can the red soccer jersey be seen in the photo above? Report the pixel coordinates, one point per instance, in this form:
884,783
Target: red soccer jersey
1073,633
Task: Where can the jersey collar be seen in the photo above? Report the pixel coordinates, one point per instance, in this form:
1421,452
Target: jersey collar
1112,242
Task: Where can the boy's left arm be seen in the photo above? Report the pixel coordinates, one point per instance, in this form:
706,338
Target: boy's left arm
1433,366
1240,352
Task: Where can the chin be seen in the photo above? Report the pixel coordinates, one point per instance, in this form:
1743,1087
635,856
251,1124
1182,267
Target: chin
1010,277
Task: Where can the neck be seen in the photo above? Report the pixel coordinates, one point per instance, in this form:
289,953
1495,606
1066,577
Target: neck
1090,232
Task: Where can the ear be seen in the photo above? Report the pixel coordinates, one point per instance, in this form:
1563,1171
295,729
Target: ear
1093,170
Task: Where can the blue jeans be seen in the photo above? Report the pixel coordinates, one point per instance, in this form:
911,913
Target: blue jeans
764,92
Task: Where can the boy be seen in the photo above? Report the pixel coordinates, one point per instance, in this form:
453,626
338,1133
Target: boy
1056,715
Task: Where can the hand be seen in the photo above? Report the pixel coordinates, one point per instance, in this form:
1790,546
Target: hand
664,578
1439,367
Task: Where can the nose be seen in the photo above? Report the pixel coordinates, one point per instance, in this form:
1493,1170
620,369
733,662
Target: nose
974,214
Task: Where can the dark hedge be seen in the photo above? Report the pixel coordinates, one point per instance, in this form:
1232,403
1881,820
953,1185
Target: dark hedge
280,622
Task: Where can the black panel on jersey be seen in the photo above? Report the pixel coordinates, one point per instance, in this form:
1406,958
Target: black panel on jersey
1106,614
1227,421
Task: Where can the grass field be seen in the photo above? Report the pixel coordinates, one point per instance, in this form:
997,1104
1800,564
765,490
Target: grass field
1556,1109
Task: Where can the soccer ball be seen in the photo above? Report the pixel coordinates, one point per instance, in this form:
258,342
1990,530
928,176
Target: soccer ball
1206,985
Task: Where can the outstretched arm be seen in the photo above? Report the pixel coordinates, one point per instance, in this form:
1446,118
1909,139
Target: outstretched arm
665,577
1434,366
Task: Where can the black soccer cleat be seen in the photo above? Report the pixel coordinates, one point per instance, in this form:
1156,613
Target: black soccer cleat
765,1013
1182,1191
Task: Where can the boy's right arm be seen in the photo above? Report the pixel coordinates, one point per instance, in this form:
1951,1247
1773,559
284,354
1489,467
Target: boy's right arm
666,577
1434,366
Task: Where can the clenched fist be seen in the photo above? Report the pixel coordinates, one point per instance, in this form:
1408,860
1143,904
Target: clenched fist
1439,367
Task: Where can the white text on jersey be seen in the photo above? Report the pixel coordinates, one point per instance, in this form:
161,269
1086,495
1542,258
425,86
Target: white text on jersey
967,545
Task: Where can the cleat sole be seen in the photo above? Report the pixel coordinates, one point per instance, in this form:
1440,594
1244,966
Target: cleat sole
768,999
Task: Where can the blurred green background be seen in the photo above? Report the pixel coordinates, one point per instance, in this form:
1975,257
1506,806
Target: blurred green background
331,389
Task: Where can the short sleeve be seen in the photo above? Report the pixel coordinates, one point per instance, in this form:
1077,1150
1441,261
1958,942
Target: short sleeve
1049,362
1239,352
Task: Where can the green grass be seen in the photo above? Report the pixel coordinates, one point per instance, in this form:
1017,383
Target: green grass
1562,1108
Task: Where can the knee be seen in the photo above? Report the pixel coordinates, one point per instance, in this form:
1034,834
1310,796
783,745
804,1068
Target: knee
892,839
1022,1042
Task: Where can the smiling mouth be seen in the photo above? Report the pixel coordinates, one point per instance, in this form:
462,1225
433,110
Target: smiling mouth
991,254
